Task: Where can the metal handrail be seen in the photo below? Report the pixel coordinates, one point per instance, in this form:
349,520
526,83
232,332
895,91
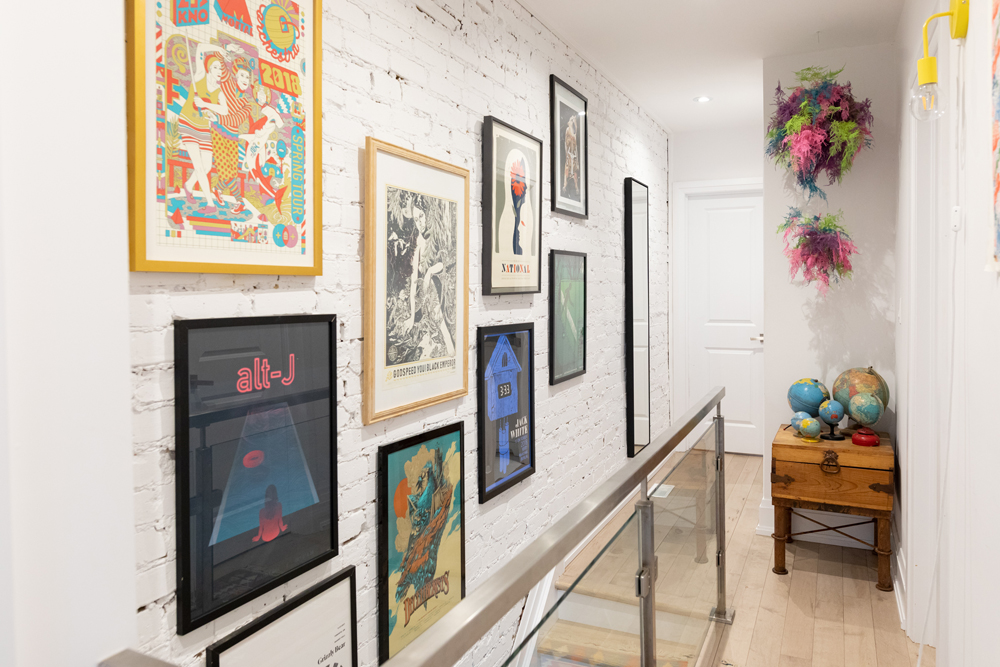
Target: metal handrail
445,642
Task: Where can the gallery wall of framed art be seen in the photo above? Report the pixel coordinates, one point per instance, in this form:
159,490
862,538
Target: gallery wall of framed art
416,279
225,136
256,457
441,133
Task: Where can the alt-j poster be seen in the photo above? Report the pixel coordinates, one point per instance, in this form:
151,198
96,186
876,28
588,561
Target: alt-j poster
230,123
255,455
422,561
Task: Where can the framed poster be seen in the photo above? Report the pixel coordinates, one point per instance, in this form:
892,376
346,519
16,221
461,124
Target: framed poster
421,534
506,407
313,629
224,113
512,210
568,111
256,457
567,315
416,314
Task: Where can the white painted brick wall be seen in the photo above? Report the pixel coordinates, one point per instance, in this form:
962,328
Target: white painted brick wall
392,71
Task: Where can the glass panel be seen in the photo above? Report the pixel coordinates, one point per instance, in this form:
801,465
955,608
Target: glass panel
684,510
595,620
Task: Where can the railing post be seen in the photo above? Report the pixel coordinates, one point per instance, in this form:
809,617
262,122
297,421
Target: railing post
645,579
720,613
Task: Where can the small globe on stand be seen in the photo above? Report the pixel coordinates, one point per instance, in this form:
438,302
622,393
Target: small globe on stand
806,396
810,429
866,409
797,420
832,412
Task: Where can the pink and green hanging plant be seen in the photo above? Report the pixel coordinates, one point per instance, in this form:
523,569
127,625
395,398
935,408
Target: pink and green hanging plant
818,246
819,127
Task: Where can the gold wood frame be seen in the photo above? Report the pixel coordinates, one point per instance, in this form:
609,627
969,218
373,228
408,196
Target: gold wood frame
135,85
372,148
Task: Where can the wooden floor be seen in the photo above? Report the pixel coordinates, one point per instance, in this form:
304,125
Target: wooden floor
826,612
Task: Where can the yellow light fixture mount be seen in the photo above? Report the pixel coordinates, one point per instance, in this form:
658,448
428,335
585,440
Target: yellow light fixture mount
958,20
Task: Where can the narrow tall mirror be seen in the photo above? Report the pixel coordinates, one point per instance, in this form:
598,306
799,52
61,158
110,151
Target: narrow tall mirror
637,376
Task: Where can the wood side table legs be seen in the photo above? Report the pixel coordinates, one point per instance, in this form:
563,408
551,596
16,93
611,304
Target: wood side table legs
782,528
884,550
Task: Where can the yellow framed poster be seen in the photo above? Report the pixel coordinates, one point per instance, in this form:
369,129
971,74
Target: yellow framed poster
224,136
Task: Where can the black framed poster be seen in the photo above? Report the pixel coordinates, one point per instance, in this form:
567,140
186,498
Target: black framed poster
314,628
256,457
567,315
568,112
506,407
512,210
421,534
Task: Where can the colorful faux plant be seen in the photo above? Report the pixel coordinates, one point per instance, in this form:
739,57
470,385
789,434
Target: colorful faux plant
818,127
819,246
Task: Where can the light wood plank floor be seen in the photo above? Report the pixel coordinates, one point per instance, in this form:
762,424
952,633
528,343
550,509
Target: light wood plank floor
826,612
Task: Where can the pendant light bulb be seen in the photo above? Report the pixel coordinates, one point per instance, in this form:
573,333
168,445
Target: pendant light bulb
926,102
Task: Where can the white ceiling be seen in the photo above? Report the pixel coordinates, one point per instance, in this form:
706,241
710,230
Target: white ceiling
664,53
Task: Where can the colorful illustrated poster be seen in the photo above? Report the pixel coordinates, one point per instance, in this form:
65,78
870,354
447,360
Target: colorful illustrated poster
567,315
994,264
506,407
256,449
512,210
569,149
421,534
313,629
224,124
416,283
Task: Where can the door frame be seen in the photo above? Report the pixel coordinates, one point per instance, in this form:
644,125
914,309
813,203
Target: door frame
680,196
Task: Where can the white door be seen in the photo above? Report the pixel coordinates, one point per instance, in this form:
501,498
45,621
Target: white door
725,310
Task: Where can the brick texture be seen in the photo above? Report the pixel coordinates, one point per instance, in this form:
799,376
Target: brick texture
423,77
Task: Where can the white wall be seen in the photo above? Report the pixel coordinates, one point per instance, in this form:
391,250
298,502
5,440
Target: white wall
945,164
807,335
393,72
67,465
716,154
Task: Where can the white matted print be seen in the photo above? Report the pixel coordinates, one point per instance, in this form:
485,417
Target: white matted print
416,282
313,629
512,210
224,132
569,149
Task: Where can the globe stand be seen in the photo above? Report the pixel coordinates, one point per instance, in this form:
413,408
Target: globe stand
865,437
833,435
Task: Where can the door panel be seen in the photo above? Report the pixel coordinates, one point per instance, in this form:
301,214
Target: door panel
725,285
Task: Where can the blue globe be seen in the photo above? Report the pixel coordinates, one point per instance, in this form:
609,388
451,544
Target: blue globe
866,409
832,412
810,429
797,419
806,396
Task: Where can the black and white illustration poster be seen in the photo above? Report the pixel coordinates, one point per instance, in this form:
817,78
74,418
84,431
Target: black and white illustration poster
416,282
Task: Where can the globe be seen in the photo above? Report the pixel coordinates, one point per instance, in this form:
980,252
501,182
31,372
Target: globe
866,409
806,395
856,381
797,419
810,429
832,412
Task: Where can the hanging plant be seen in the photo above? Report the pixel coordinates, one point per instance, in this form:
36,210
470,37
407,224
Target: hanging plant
818,127
819,246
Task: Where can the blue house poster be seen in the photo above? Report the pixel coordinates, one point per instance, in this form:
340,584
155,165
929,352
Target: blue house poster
506,405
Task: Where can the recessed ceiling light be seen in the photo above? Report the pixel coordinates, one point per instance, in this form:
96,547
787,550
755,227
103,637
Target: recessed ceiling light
703,99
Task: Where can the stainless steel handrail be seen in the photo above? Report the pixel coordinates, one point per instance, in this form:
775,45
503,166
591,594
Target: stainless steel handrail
456,632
